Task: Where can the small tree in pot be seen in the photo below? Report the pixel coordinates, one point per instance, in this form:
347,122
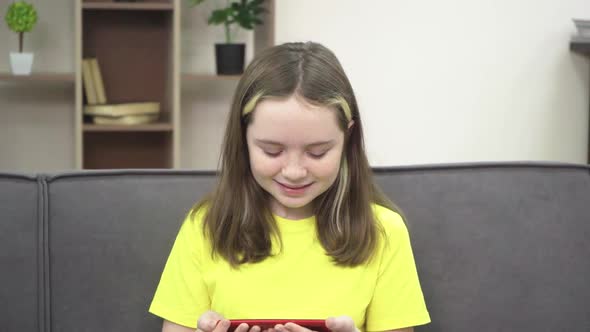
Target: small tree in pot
229,56
21,17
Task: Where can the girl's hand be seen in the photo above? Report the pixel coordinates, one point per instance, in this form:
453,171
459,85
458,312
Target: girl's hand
211,321
341,324
335,324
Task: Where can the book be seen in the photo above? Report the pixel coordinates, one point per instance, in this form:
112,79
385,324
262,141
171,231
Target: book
98,82
88,82
126,120
118,110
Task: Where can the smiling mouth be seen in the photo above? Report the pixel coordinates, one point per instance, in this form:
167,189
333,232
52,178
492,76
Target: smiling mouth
294,187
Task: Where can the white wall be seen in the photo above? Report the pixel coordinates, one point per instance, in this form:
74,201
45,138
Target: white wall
456,80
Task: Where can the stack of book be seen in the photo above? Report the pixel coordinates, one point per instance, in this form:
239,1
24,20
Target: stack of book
102,112
124,114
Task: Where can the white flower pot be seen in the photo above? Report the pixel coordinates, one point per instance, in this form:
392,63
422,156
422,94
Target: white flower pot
21,63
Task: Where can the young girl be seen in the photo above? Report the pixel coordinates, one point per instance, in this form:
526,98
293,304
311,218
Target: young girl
296,228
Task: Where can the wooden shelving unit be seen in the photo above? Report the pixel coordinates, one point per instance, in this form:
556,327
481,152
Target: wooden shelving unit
136,44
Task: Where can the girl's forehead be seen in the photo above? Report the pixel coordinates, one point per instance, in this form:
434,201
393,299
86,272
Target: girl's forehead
295,110
291,120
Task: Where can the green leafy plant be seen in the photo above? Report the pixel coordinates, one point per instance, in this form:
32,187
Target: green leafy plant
245,13
21,17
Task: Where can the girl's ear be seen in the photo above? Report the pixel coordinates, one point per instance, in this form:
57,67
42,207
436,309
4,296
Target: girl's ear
350,124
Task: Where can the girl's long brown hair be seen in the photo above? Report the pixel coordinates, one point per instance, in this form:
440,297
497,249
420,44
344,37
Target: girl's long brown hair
237,220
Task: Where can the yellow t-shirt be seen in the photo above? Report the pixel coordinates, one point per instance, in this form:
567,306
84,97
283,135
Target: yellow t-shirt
300,282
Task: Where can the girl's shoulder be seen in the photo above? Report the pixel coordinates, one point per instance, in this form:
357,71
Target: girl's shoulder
391,221
192,234
192,226
197,213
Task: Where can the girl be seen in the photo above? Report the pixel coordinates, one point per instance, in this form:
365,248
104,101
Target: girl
296,228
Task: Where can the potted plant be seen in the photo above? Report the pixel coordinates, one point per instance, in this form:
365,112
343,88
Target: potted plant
229,56
21,17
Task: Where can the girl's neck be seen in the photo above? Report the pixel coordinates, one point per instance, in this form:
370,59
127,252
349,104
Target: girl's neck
290,213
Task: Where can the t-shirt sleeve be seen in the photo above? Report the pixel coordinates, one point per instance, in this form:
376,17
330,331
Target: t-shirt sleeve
181,296
398,301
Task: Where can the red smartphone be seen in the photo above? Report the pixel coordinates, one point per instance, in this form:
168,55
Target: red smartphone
318,325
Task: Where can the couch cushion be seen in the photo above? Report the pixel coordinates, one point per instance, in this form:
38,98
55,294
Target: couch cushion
20,253
499,247
110,235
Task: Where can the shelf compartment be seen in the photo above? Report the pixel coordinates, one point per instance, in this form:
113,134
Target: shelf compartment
117,150
133,53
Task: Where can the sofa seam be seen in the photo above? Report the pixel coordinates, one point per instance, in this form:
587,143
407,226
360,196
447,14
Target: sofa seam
43,255
40,256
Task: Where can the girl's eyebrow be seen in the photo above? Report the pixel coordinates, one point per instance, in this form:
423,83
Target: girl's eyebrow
271,142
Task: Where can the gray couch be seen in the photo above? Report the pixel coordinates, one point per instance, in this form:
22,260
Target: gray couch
499,247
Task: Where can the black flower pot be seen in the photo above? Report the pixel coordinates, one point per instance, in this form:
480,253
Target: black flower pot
229,58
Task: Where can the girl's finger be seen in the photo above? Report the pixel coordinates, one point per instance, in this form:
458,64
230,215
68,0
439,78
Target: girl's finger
292,327
208,321
222,326
242,328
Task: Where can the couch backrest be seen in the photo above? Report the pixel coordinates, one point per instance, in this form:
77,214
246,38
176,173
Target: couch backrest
498,246
21,253
110,234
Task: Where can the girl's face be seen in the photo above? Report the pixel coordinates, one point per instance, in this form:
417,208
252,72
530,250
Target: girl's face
295,151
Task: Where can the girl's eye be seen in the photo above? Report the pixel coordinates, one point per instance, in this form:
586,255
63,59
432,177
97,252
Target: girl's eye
317,155
272,153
